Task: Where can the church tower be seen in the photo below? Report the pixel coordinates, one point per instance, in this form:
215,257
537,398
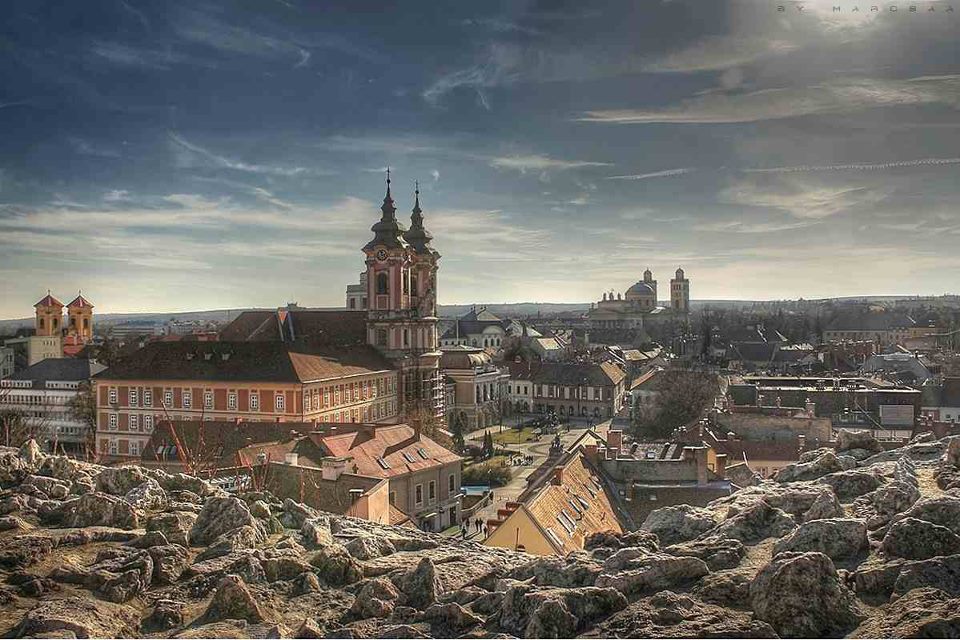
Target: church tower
49,316
401,294
80,319
648,278
680,293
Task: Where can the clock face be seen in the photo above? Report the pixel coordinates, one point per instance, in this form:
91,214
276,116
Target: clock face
382,255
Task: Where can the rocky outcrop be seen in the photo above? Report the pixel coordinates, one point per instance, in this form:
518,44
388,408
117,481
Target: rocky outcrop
917,539
837,538
679,523
921,613
220,515
801,596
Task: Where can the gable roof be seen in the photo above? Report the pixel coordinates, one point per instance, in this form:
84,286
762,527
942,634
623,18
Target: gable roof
80,302
246,361
570,510
578,373
59,370
321,326
382,451
48,301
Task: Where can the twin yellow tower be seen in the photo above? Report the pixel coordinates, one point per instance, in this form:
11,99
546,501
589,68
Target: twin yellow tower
79,318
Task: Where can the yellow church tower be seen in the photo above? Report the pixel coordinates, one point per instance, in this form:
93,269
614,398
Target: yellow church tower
49,316
80,318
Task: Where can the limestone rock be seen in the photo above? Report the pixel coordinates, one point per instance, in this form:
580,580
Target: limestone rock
679,523
941,573
851,484
166,615
376,599
117,481
755,523
316,533
335,566
921,613
220,515
801,595
420,585
175,526
718,553
97,509
837,538
368,547
147,496
826,462
654,573
916,539
848,439
233,601
83,616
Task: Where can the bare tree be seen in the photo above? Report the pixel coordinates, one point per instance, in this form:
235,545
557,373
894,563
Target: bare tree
83,408
682,396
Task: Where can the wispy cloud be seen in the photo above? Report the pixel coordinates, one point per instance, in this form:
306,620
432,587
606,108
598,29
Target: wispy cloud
802,199
720,52
190,155
876,166
840,96
523,163
667,173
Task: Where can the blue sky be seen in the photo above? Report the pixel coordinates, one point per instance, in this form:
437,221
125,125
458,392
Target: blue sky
196,155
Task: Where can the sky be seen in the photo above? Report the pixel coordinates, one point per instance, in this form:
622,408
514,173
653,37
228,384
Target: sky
166,156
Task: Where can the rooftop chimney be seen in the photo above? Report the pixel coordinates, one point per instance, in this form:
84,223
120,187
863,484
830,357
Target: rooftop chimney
332,468
291,458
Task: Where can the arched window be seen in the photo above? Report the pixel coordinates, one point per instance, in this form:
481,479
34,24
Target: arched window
383,284
414,288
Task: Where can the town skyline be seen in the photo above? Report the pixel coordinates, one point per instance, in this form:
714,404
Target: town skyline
165,158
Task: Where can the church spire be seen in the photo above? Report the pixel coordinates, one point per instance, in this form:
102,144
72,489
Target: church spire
418,237
389,211
417,217
388,232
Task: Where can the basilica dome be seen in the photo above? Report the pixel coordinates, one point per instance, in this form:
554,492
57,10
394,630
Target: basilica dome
639,291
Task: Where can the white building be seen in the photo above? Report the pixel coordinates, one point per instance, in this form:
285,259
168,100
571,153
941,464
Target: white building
44,393
6,362
478,328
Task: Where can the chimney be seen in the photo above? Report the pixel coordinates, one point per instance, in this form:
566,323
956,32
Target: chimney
591,452
721,466
614,443
801,443
332,468
291,458
558,476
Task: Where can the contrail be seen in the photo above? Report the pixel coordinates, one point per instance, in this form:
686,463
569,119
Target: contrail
859,167
655,174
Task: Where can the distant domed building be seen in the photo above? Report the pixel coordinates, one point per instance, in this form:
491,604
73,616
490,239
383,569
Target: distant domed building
639,305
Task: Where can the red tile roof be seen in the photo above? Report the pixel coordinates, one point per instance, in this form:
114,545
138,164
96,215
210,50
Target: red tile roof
398,446
49,301
80,302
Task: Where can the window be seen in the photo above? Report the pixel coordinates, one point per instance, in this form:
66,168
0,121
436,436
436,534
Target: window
418,495
452,483
147,398
383,284
408,457
168,398
133,397
254,401
113,422
383,464
381,337
112,396
326,396
232,401
208,399
134,448
423,453
148,423
278,402
432,491
113,447
306,401
134,422
187,398
406,337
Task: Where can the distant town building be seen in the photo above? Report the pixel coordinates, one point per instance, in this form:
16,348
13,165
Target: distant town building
479,388
6,361
941,400
476,328
639,305
260,380
357,293
879,326
583,389
44,393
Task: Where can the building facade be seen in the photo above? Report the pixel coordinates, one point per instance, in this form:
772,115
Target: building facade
402,318
573,389
44,393
479,388
239,380
639,305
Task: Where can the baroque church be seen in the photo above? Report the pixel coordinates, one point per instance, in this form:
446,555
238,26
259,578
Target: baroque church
638,307
401,303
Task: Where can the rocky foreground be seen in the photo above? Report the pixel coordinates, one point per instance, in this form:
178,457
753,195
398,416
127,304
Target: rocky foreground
856,542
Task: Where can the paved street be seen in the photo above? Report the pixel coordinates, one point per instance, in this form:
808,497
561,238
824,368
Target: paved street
538,450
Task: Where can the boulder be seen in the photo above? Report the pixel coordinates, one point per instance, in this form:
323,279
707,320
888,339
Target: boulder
916,539
245,537
51,487
148,496
880,506
877,578
826,505
368,547
755,523
316,533
232,601
655,573
220,515
306,582
725,588
851,484
117,481
166,615
450,618
837,538
718,553
169,562
572,571
825,462
848,439
672,615
375,599
801,596
96,509
83,616
679,523
174,525
557,613
420,585
941,573
336,566
920,613
943,510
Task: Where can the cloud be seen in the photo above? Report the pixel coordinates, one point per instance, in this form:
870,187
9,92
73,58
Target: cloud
188,155
799,198
740,226
540,163
116,195
656,174
896,164
435,175
124,55
840,96
717,53
87,148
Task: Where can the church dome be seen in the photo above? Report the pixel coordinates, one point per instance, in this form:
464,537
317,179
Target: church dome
640,290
